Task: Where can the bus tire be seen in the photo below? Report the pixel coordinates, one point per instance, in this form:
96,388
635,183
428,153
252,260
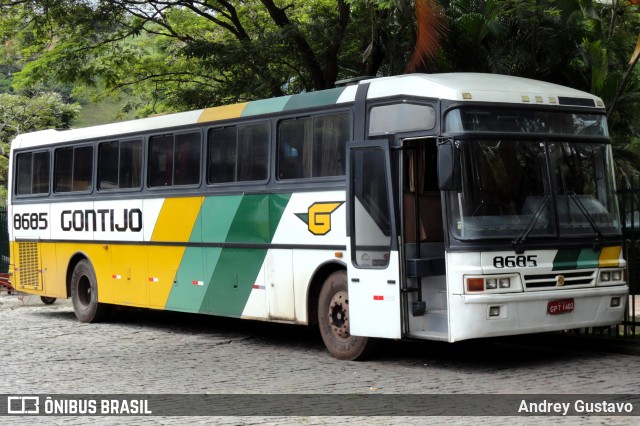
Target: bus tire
48,300
84,294
333,320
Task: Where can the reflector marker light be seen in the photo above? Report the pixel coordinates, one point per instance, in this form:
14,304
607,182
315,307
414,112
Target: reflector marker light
117,277
196,282
378,297
153,279
258,287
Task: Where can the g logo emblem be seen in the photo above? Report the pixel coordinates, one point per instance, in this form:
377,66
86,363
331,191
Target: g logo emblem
318,216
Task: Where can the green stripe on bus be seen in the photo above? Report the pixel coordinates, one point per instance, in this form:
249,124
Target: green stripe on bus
314,99
588,258
265,106
232,281
216,216
566,259
237,269
216,280
251,222
576,259
186,295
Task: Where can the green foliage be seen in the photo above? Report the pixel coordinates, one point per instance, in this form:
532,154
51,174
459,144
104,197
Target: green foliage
154,57
21,114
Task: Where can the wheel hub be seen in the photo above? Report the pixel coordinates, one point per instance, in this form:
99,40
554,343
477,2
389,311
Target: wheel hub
339,314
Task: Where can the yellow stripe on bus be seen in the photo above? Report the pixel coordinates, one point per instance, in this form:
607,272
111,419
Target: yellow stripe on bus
176,219
610,256
222,112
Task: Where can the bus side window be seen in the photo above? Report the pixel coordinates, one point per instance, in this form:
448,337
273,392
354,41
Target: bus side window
187,159
294,136
120,165
23,173
32,173
161,161
253,152
238,153
73,169
330,134
130,165
313,146
174,159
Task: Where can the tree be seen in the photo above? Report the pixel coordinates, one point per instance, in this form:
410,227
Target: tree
21,114
191,53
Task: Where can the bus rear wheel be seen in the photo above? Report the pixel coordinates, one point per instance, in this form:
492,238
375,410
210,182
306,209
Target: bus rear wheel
84,294
333,320
48,300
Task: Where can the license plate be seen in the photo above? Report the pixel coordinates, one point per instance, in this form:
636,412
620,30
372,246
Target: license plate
556,307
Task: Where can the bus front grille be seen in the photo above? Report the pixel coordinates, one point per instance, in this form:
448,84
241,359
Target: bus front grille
560,280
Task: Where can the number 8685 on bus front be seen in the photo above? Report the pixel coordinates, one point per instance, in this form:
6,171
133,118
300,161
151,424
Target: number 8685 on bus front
521,261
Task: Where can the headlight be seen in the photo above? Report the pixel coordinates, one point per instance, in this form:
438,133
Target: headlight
611,276
494,284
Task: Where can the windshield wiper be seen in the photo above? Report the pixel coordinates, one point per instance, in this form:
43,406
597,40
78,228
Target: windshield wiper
521,238
586,214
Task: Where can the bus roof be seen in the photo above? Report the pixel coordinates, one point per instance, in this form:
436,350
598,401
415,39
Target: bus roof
466,87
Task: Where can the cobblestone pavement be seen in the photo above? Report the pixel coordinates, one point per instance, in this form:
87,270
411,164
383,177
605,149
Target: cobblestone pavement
44,349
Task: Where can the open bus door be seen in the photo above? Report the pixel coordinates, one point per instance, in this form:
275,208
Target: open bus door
373,263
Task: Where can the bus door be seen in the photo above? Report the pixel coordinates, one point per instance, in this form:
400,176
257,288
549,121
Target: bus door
373,264
422,236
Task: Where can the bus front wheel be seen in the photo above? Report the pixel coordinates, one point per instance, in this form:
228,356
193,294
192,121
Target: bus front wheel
84,294
333,319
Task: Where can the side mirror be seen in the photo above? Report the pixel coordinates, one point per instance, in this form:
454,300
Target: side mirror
448,176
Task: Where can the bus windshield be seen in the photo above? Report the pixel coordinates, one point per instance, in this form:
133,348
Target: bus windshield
504,120
518,189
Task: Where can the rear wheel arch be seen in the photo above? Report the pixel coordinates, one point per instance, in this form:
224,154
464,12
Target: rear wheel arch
71,266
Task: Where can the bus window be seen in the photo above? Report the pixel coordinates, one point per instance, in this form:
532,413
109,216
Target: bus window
238,154
402,117
161,161
313,147
330,134
187,159
73,169
253,152
120,165
32,175
293,158
174,160
222,155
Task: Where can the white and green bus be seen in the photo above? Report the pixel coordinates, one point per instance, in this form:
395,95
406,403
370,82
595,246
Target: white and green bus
445,207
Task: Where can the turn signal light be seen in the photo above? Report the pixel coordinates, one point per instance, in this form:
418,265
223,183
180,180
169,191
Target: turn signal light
475,284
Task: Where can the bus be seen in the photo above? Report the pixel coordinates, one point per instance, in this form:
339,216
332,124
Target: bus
445,207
